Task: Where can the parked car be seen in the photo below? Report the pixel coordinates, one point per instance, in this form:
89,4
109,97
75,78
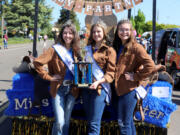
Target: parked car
167,51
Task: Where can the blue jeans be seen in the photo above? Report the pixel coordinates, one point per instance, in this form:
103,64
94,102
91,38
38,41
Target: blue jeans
63,104
5,44
126,105
93,105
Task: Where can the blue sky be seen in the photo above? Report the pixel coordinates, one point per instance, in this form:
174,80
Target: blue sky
167,11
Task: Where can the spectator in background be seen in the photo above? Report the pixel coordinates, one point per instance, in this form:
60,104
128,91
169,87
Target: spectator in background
149,46
45,43
5,40
39,38
143,42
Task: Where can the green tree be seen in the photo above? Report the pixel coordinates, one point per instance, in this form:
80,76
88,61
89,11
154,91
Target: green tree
147,26
160,26
65,15
139,22
19,15
133,22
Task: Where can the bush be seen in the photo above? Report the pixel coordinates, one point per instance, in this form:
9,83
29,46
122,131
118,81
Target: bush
17,40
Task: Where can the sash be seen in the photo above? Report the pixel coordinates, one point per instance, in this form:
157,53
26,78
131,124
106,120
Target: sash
65,56
97,72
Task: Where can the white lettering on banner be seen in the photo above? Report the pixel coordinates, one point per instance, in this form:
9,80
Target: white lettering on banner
30,103
98,9
89,7
107,8
160,114
27,103
70,2
18,105
60,1
118,5
153,113
45,102
127,2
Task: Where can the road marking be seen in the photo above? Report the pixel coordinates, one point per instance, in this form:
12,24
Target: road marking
2,119
4,106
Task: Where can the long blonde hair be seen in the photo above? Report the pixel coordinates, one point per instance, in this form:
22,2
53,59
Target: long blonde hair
102,25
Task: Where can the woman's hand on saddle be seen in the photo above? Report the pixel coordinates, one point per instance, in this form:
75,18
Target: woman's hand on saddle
160,67
56,78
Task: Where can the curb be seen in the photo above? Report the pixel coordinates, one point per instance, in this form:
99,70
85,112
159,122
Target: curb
2,108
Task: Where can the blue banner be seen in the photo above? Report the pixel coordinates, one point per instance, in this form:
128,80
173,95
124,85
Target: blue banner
22,95
157,105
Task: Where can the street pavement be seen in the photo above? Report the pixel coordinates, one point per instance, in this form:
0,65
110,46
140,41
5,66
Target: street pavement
13,56
9,58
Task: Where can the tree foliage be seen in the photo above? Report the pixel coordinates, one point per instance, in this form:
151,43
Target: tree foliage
141,26
19,15
133,22
65,15
139,22
147,26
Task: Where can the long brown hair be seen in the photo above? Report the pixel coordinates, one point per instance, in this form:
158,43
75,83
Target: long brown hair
117,42
102,25
75,41
70,25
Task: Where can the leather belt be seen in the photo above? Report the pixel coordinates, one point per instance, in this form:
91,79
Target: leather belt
67,82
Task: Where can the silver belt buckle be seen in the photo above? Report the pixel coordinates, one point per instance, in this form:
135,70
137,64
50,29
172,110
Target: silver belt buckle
178,74
67,82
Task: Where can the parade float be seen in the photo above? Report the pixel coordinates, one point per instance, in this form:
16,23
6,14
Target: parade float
32,113
28,119
32,119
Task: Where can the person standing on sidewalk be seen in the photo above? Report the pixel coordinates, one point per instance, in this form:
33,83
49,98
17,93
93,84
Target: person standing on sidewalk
5,40
45,43
60,58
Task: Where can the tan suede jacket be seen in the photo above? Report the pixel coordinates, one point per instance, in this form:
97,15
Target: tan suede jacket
131,63
105,57
55,66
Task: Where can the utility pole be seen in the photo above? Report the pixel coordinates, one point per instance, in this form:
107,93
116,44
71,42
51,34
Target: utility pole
129,13
35,54
68,14
154,31
2,22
